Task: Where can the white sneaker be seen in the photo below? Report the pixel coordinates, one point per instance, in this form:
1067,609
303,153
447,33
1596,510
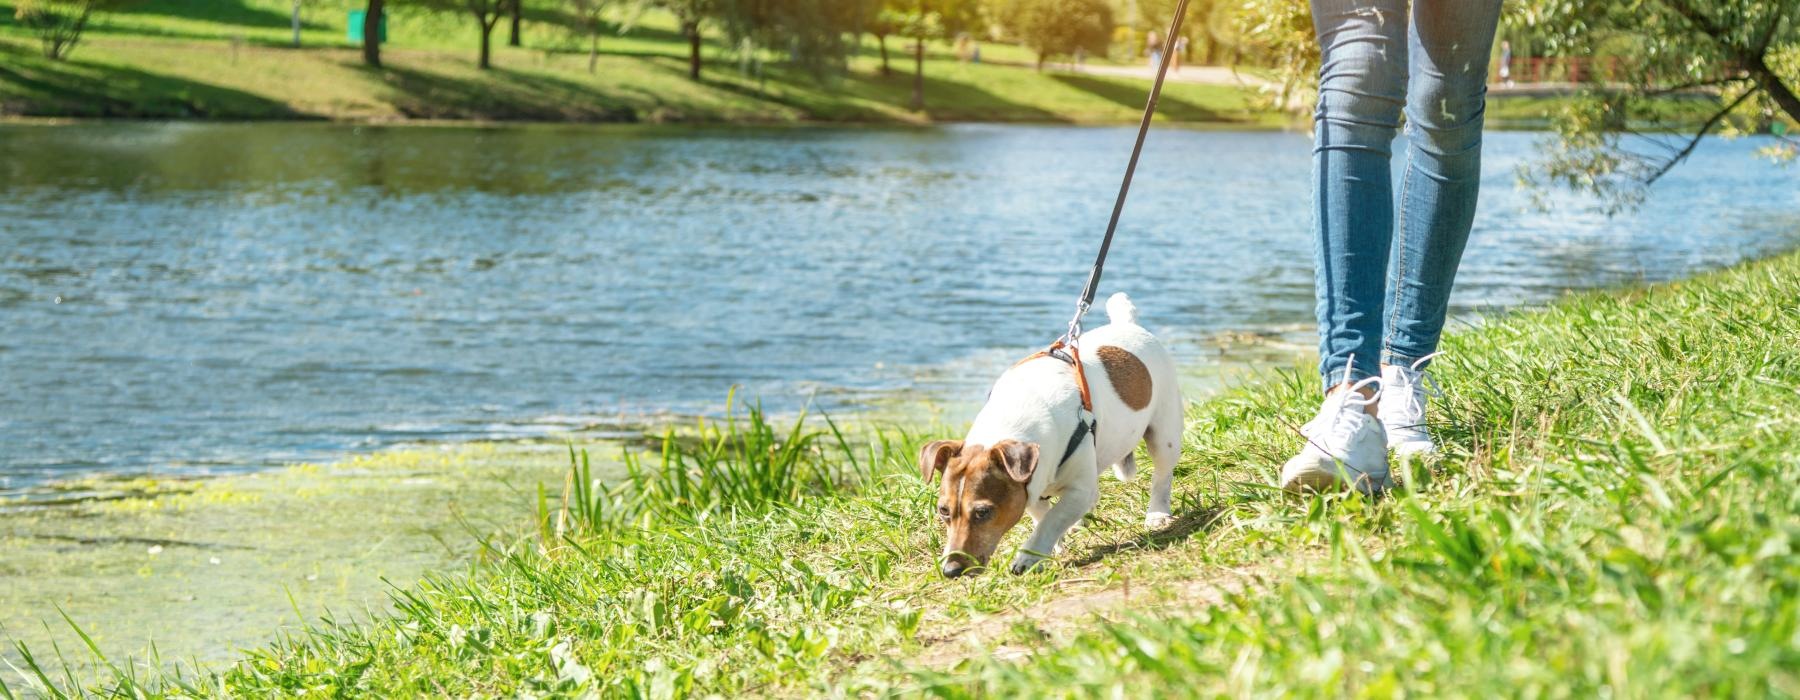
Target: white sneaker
1403,414
1345,447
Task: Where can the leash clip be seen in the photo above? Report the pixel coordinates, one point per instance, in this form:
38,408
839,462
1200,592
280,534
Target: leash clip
1074,332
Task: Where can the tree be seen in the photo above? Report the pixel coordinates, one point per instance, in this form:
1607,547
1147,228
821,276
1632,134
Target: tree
371,43
689,14
933,19
885,23
1060,27
590,22
1742,57
518,16
813,32
59,23
486,13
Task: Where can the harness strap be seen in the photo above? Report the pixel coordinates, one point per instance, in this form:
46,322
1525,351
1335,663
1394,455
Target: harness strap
1071,358
1082,430
1086,423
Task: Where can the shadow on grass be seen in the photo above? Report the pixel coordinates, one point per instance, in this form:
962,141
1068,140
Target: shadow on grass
1133,94
231,12
501,95
31,85
1187,524
833,99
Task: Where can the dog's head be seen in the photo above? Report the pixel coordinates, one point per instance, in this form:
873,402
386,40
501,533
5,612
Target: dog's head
980,497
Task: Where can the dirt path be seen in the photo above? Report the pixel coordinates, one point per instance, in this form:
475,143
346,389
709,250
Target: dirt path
1054,622
1200,75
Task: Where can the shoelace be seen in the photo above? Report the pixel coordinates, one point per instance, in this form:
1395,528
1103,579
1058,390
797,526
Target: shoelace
1416,386
1349,399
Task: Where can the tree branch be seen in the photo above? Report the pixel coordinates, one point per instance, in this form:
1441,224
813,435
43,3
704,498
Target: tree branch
1707,82
1695,142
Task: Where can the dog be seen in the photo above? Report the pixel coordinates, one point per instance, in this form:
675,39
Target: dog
998,473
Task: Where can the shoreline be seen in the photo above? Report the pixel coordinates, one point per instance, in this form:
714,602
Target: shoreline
204,566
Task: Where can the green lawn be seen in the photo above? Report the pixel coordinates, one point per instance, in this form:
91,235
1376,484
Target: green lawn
1615,515
231,60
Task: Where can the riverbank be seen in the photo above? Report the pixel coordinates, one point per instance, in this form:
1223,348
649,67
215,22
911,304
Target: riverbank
162,78
203,61
203,567
1613,513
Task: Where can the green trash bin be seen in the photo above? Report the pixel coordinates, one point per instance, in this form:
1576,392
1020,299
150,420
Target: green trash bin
356,26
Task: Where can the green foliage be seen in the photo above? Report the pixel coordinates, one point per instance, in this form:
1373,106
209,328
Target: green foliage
1736,55
59,23
1059,27
1279,33
814,33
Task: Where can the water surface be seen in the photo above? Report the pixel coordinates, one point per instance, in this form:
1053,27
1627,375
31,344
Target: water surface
187,297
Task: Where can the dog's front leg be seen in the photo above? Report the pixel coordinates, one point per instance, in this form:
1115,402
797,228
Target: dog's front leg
1074,503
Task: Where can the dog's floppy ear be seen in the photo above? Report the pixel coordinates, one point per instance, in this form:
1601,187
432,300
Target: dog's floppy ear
1019,458
935,456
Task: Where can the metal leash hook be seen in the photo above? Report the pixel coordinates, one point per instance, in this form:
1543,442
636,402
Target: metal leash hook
1074,332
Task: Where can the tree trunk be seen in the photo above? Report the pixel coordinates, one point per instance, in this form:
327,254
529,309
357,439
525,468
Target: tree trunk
918,96
1040,61
296,22
594,52
1779,91
372,34
487,36
692,29
517,11
881,39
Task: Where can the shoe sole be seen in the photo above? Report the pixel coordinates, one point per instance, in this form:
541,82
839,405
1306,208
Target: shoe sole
1316,477
1413,449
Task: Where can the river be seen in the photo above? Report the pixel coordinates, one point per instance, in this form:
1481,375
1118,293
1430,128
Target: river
201,298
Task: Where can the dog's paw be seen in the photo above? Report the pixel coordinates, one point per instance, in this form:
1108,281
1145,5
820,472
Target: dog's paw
1157,521
1025,562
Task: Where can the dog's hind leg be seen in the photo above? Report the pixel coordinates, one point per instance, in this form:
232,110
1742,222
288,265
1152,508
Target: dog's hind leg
1163,442
1126,468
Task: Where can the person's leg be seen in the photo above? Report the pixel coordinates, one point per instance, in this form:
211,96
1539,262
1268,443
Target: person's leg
1362,84
1362,88
1449,46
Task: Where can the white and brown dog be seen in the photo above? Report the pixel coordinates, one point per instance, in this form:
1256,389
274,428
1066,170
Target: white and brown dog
994,476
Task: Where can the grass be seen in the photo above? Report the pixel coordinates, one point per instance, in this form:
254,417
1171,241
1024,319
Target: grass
1614,515
231,60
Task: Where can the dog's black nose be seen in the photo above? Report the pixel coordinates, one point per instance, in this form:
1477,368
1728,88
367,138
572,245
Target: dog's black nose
953,568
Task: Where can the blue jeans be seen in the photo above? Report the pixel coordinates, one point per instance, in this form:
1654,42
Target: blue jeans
1382,299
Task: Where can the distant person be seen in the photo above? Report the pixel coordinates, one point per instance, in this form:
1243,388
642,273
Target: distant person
1153,47
1383,286
963,51
1506,63
975,53
1181,44
1080,58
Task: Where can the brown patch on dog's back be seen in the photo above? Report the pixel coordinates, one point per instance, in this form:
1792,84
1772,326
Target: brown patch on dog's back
1130,378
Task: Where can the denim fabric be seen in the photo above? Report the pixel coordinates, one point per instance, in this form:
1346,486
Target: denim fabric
1382,298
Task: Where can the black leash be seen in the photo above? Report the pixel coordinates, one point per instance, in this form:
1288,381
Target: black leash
1137,149
1085,428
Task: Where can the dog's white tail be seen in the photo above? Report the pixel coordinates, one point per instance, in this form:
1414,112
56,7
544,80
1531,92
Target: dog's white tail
1119,309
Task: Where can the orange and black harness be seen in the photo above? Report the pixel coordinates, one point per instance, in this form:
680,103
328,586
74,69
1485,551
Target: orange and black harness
1086,423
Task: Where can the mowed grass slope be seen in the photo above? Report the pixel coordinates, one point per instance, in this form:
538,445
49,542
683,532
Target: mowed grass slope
230,59
1615,515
